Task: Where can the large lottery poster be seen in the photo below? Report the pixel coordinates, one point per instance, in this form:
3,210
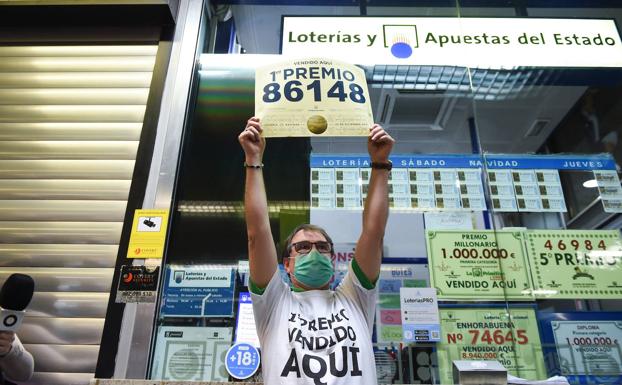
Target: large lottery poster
576,263
312,97
478,265
509,336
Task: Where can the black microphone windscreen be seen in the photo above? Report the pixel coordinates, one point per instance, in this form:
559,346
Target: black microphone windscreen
16,292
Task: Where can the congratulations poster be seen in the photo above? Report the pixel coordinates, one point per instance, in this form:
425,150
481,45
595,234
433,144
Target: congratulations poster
509,336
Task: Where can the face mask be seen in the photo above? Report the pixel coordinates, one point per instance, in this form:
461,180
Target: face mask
313,270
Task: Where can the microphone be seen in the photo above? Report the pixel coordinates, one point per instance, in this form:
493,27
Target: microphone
15,296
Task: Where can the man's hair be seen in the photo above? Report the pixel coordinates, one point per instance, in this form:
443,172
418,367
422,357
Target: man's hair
304,227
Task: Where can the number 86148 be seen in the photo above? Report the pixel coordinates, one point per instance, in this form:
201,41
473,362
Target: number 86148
294,91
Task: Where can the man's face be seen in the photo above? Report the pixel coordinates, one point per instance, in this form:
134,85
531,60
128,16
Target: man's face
290,263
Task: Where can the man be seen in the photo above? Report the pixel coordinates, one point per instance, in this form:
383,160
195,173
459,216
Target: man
309,334
16,364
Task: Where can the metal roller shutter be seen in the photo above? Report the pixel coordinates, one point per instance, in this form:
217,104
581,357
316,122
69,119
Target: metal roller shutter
70,122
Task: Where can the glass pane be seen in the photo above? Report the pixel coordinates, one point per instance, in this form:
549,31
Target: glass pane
549,140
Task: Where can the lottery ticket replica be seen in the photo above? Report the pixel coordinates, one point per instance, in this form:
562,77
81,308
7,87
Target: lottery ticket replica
312,97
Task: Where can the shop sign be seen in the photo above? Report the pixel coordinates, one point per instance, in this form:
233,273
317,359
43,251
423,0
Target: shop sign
148,234
589,347
312,97
509,336
575,264
495,43
478,265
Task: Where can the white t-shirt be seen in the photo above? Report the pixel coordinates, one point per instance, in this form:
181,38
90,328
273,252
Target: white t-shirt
320,337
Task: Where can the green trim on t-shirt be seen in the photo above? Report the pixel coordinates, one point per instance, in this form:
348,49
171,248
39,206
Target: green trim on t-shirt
252,286
365,282
296,289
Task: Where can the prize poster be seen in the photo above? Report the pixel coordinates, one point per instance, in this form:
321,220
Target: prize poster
509,336
191,353
312,97
589,347
585,347
478,265
576,263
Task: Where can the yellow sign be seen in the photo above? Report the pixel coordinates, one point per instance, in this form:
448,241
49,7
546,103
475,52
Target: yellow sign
148,234
312,97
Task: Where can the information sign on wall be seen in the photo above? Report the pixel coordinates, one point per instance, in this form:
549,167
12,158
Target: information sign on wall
420,322
576,263
478,265
312,97
148,234
245,330
392,278
191,353
509,336
198,291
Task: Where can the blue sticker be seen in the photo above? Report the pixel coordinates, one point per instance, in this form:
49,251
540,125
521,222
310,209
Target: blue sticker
242,361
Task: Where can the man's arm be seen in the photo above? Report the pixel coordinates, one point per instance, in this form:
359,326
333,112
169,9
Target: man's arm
368,252
261,249
16,363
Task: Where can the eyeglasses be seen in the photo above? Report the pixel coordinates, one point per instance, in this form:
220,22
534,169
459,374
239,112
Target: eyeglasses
304,247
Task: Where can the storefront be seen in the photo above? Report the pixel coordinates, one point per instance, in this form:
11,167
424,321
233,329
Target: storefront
501,128
505,196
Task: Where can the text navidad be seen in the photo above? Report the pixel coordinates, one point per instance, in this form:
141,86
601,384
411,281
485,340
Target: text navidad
441,40
309,77
319,334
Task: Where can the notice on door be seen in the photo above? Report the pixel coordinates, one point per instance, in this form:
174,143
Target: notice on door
148,234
